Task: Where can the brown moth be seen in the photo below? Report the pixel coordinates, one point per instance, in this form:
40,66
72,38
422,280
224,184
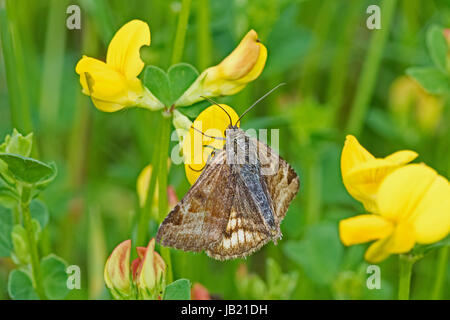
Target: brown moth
237,204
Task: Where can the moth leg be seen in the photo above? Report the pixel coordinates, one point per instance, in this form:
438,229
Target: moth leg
212,154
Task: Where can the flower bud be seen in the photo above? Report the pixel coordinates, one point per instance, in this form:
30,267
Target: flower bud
199,292
242,66
149,272
117,272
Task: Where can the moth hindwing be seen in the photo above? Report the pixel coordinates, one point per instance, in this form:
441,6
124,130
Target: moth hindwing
237,203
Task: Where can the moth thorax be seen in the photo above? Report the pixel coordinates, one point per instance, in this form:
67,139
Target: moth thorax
240,149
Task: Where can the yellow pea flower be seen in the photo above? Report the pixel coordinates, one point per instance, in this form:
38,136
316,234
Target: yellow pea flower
242,66
114,85
213,121
362,173
414,207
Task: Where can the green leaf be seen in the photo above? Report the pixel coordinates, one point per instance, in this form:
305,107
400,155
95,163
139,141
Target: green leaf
431,79
280,286
8,195
54,277
168,87
157,81
39,211
27,170
319,253
20,244
17,144
437,46
178,290
20,241
181,77
6,227
194,110
20,286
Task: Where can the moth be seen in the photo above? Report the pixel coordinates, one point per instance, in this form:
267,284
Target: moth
237,203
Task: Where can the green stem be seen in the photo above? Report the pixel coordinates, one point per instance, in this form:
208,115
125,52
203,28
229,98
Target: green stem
162,184
370,69
312,60
406,263
145,214
32,244
181,32
314,178
339,68
441,273
14,67
203,34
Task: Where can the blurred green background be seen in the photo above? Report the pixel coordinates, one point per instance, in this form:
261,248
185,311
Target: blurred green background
341,78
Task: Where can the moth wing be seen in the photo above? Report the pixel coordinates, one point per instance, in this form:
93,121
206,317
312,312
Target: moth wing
281,180
201,216
245,231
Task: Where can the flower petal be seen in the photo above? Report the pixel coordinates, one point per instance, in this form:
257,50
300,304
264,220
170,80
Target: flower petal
242,61
123,51
146,277
212,121
402,157
401,241
431,219
364,228
142,184
353,154
100,81
402,190
363,181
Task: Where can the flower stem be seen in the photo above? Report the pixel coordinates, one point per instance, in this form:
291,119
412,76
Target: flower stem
406,263
203,34
181,31
440,273
32,244
370,69
162,184
145,212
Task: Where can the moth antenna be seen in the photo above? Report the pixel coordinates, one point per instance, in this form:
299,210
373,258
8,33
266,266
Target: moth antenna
213,102
218,138
259,100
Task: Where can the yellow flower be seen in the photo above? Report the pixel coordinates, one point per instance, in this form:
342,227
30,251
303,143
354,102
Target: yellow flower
114,85
362,173
117,271
213,121
242,66
142,185
414,207
408,99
